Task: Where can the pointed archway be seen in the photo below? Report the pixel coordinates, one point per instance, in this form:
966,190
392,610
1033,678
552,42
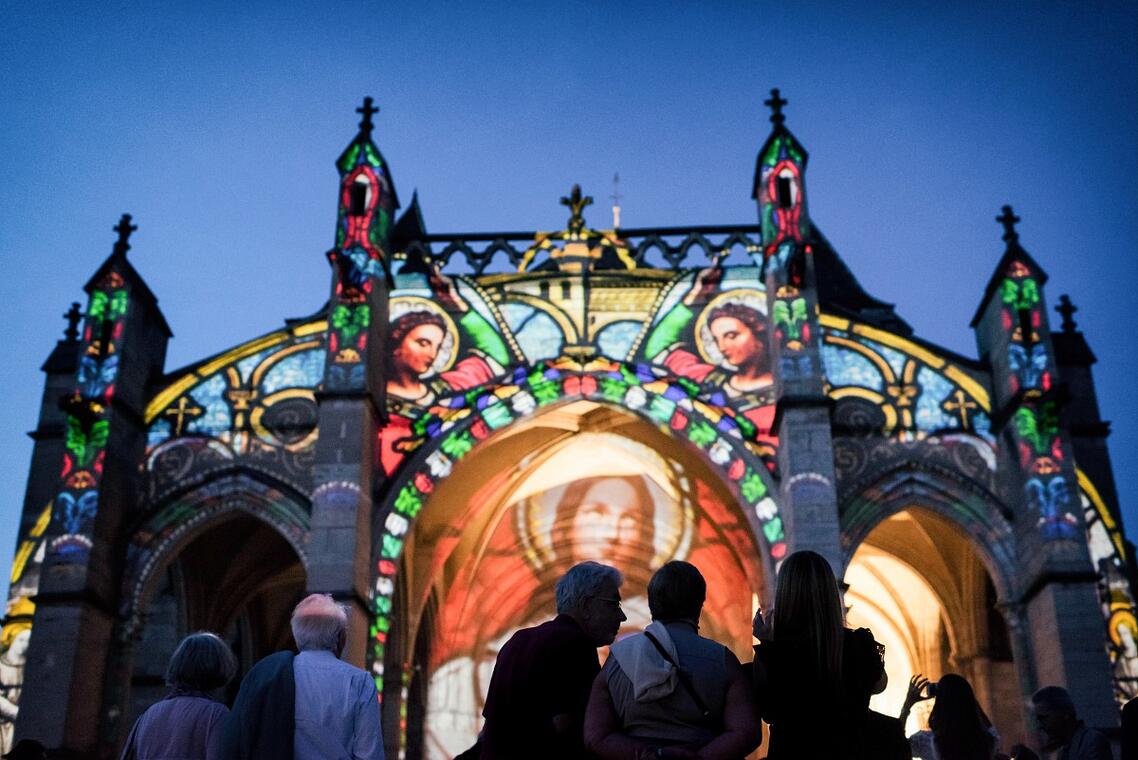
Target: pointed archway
920,583
582,480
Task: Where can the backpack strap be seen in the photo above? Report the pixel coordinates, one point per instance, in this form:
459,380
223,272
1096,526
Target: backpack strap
685,679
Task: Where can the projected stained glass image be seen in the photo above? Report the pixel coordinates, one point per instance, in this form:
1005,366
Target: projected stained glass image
601,497
717,336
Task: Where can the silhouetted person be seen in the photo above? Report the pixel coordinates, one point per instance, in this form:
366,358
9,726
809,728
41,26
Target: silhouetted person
669,692
1130,730
813,676
958,728
188,723
535,706
27,749
1062,730
311,706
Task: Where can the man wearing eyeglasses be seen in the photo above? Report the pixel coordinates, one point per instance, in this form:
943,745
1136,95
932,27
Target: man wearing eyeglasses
535,706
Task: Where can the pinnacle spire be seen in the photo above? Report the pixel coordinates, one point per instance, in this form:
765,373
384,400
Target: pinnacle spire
73,317
1067,310
367,110
775,102
124,228
1009,220
576,204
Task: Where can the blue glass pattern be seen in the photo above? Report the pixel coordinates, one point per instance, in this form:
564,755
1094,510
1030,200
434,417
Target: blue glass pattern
300,370
845,366
615,340
210,396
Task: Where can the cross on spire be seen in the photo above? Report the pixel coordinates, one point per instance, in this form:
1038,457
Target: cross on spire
73,316
616,199
1009,220
1067,310
576,204
775,102
367,110
124,228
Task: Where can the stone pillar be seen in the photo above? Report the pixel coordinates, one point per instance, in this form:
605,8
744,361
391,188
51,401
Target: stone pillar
339,544
805,455
351,396
1023,658
122,350
1037,474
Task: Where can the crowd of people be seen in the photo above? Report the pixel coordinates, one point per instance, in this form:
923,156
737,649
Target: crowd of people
666,692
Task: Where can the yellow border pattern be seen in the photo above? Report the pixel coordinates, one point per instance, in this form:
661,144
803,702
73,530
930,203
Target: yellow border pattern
1104,514
167,395
954,373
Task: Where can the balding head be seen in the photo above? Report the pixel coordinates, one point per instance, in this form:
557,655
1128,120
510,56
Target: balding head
318,623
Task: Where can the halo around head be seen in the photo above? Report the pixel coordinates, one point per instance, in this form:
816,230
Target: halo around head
704,340
535,512
401,305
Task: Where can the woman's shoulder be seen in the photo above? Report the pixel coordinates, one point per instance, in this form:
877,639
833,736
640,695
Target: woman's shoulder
191,706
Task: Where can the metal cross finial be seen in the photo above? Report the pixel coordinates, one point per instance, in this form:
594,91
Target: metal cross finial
367,110
1009,220
616,199
775,102
124,228
576,204
1067,310
73,316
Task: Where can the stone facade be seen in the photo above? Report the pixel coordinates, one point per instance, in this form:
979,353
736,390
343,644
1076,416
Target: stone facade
397,450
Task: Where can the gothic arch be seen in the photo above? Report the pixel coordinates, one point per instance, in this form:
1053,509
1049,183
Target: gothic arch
184,517
930,565
668,404
972,510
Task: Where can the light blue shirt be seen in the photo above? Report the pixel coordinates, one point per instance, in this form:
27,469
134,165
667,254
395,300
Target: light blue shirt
337,710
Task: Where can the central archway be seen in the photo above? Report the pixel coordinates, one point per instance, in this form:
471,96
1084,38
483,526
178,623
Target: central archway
581,480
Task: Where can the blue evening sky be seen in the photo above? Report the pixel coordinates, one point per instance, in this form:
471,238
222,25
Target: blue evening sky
216,125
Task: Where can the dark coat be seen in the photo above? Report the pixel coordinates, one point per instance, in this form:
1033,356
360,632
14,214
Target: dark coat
795,701
541,672
263,719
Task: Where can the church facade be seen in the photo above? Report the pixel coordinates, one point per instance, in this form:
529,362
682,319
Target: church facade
470,415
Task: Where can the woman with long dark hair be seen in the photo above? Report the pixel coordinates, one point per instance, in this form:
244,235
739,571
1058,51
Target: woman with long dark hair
814,676
958,728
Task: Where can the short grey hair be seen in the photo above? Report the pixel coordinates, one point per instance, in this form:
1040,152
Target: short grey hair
1055,697
202,662
584,580
318,623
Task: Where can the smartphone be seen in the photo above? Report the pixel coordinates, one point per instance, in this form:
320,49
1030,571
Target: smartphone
930,689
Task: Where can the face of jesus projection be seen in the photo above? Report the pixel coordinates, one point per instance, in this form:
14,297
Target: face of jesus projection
605,519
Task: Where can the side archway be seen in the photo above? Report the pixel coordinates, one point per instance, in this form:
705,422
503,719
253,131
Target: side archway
228,557
929,567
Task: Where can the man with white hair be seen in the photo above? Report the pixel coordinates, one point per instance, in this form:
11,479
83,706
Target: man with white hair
535,706
311,706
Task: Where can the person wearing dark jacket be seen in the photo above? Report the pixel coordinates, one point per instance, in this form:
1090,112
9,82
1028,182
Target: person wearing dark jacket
188,722
535,706
811,670
1062,730
312,706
